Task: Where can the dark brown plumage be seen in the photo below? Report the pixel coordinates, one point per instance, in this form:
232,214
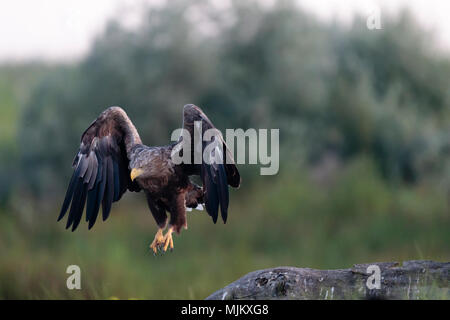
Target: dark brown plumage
112,160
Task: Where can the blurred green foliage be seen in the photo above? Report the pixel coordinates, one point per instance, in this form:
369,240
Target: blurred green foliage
364,119
16,81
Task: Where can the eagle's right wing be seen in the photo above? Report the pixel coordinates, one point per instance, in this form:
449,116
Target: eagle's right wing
101,173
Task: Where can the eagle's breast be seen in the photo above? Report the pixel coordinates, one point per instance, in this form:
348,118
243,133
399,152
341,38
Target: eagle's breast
158,169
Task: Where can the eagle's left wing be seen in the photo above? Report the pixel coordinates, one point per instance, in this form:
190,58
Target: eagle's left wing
215,176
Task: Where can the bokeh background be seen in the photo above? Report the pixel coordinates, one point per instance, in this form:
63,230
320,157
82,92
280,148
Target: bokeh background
364,119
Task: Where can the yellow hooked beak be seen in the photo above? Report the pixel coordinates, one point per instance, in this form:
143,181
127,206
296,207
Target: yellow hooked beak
135,173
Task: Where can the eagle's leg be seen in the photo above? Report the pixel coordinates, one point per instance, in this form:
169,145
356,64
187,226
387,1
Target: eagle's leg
168,240
158,211
158,241
177,218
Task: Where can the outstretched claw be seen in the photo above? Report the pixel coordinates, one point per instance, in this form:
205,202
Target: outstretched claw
158,241
168,241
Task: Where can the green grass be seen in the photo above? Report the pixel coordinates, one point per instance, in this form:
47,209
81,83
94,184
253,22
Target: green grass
286,220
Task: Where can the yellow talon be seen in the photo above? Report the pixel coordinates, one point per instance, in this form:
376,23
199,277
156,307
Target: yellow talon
168,241
158,241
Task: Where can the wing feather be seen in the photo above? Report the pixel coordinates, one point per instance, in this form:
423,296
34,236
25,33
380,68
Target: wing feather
101,174
222,190
210,192
216,177
69,193
109,191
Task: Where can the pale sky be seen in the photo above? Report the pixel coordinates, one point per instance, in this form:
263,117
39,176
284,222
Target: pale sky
63,30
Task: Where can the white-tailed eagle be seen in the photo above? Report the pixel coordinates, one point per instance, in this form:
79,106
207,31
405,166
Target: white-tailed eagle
112,159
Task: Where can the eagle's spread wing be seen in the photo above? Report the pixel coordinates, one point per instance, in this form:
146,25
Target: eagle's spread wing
101,174
215,176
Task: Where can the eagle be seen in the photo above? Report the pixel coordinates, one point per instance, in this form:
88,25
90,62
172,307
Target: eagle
112,159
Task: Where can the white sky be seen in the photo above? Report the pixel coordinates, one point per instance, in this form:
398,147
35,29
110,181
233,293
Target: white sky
63,30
